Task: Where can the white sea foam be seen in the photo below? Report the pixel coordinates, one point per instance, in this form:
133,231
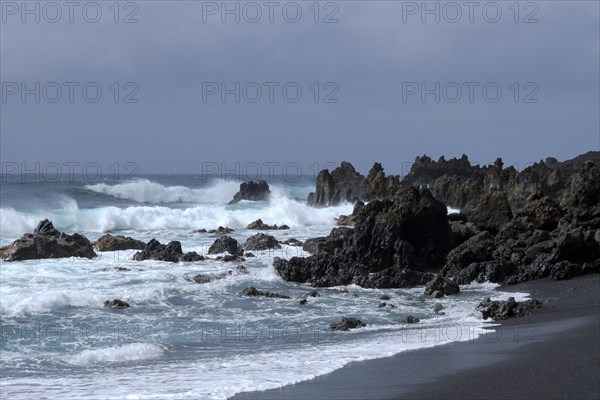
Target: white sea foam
280,210
145,191
20,303
127,352
13,222
222,377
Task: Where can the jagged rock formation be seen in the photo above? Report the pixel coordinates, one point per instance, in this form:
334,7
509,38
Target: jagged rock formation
253,191
343,184
395,243
546,238
513,226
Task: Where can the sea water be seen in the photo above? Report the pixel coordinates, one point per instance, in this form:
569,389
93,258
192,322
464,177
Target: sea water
180,339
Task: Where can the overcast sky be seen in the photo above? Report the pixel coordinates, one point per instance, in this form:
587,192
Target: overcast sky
361,68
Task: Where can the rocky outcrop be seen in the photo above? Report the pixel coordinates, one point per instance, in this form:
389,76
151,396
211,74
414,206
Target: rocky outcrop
583,187
410,230
441,286
324,270
346,324
226,244
547,238
253,191
252,291
513,226
261,226
351,219
378,186
500,310
260,241
348,182
170,252
473,188
337,239
343,184
490,211
395,243
191,256
47,242
325,191
345,220
425,171
116,303
117,243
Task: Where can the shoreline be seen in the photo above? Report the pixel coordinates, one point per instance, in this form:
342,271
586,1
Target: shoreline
550,354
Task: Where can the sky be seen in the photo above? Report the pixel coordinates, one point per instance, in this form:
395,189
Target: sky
191,86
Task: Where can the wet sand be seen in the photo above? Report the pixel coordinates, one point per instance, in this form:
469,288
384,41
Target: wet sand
553,353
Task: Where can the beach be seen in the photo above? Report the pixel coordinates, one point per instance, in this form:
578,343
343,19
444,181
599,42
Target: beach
553,353
177,286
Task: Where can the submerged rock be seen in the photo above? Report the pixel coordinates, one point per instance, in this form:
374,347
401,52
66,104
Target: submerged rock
253,191
205,278
112,269
346,324
47,242
410,320
252,291
437,309
116,303
231,258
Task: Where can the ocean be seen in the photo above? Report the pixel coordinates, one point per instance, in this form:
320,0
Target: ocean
181,339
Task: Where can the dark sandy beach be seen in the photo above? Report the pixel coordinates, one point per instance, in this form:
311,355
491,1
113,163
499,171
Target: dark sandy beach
553,353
